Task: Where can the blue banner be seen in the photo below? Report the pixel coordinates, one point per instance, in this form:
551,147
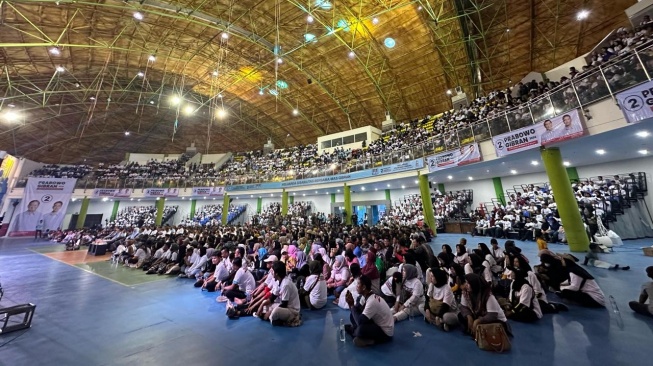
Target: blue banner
388,169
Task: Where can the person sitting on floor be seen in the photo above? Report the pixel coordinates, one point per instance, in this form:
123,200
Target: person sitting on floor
581,288
315,289
339,276
521,266
640,307
479,306
461,257
411,301
372,322
261,298
524,306
439,309
355,270
220,274
242,285
285,310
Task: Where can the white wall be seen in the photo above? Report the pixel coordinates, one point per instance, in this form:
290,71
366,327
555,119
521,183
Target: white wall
144,158
563,70
483,190
27,166
211,158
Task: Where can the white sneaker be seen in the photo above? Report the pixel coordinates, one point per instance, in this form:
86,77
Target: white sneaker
222,299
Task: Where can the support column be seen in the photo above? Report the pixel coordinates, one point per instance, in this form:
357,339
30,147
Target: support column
441,187
348,207
259,205
572,173
498,190
114,212
284,203
291,199
225,209
333,198
565,200
427,205
160,206
193,202
387,195
82,213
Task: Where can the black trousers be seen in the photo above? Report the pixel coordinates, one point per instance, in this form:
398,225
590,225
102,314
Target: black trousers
581,298
639,308
235,293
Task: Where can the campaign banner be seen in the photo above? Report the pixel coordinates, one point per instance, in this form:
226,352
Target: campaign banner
209,191
399,167
467,154
549,131
109,192
637,103
161,192
43,206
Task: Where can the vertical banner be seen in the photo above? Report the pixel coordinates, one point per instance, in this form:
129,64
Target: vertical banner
637,103
556,129
467,154
44,204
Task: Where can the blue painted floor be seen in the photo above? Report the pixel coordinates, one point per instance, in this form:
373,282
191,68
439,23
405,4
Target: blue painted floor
84,319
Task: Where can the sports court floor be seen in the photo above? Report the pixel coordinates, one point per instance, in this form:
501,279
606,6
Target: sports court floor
92,313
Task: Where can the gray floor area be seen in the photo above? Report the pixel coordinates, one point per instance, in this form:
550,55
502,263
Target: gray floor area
84,319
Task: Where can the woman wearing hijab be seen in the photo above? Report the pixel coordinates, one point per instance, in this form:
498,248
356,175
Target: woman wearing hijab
446,255
411,300
370,270
339,276
479,266
439,309
326,268
479,306
525,306
487,255
315,288
522,267
461,257
582,288
301,260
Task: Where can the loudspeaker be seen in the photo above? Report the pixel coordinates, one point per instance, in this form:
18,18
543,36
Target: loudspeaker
309,81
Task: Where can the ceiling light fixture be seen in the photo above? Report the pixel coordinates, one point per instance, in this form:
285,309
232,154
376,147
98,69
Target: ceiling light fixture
60,69
535,163
643,134
566,163
11,116
175,100
449,92
295,112
189,109
513,171
152,58
582,15
138,15
600,151
140,74
310,19
470,178
215,73
126,133
54,51
222,113
225,35
643,151
352,54
362,188
449,177
375,20
279,60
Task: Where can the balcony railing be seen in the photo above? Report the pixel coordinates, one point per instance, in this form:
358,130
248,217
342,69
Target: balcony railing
599,83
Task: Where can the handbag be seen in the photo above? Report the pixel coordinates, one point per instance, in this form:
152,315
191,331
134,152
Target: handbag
434,306
492,337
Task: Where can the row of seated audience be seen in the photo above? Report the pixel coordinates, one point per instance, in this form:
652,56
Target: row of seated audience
383,274
138,216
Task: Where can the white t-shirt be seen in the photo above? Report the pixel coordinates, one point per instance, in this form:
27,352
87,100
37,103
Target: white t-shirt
415,287
245,281
487,274
442,293
318,295
591,288
492,306
221,272
287,291
525,296
377,310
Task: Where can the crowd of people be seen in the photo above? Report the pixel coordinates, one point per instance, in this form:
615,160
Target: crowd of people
138,216
62,171
383,274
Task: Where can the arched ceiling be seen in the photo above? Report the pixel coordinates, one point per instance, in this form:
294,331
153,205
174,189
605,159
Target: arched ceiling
108,85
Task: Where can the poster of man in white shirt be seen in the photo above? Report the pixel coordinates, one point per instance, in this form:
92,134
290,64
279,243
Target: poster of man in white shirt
43,199
27,220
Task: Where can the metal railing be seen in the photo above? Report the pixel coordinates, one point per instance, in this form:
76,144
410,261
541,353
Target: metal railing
601,82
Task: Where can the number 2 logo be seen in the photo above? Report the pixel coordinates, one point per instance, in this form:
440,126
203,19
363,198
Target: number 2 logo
46,198
633,103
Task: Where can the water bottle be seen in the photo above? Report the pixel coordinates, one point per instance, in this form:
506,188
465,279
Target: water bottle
341,330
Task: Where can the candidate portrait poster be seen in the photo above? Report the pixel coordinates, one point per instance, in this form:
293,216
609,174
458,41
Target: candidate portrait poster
209,191
466,154
110,192
161,192
551,130
44,203
637,103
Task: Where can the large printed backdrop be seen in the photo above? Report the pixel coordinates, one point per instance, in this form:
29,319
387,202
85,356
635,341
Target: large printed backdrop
45,201
559,128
